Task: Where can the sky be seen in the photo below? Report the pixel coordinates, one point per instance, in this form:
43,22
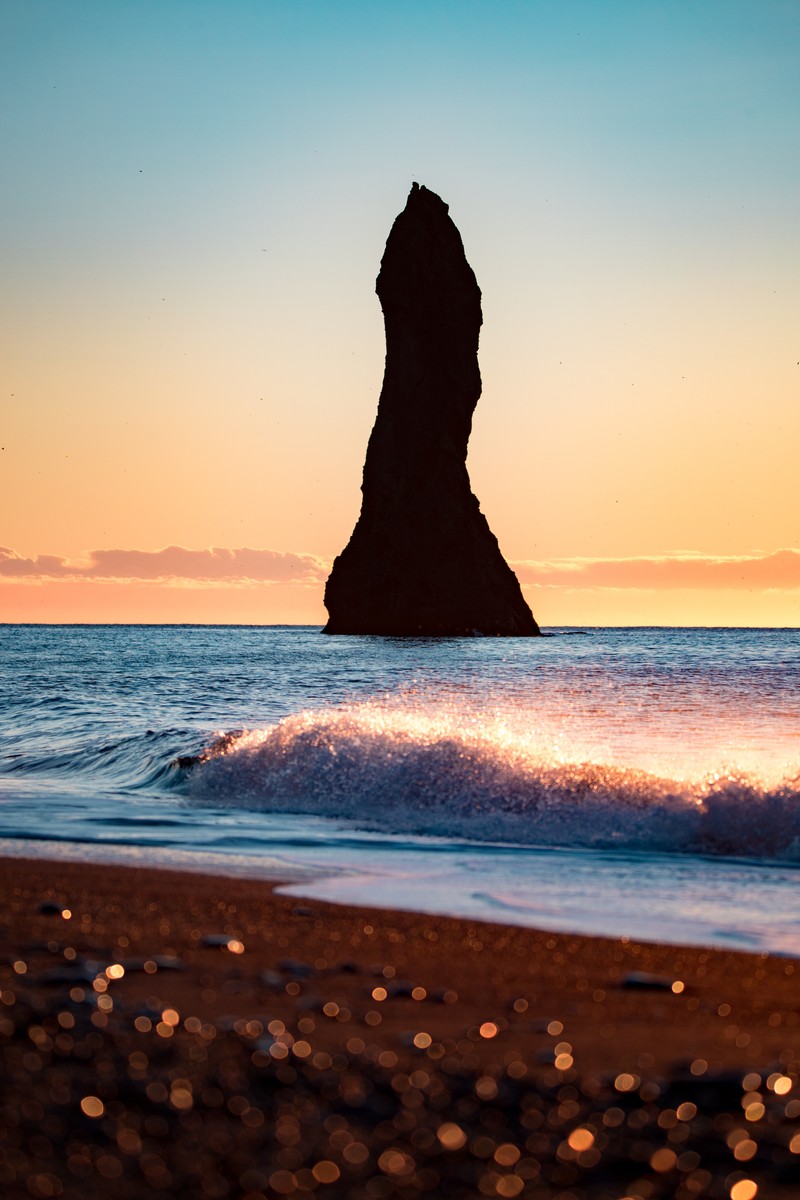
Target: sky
196,198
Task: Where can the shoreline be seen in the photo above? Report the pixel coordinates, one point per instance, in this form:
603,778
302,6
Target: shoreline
568,967
616,1022
328,884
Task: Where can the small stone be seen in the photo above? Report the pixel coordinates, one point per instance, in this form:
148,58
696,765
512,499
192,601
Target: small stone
169,962
443,996
164,962
641,979
71,975
298,970
224,941
399,988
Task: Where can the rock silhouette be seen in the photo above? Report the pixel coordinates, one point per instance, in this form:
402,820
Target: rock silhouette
422,560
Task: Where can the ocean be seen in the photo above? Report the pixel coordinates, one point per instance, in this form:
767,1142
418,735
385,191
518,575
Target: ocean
640,782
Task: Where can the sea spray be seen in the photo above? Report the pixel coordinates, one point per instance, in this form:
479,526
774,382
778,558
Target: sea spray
448,775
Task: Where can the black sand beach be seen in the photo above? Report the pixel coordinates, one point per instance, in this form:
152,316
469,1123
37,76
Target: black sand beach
180,1035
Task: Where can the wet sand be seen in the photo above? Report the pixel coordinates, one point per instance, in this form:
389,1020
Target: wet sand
181,1035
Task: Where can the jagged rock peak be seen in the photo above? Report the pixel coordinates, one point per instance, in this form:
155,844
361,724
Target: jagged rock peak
422,560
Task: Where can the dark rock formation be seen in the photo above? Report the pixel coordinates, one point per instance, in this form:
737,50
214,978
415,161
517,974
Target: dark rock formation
422,560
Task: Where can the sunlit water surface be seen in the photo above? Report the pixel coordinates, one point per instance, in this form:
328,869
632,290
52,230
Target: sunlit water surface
625,781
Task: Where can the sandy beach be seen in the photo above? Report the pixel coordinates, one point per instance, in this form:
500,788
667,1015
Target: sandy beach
174,1034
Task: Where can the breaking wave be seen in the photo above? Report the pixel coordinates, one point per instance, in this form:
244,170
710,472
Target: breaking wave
408,773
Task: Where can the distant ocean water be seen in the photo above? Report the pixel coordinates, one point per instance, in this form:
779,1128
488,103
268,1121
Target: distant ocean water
640,782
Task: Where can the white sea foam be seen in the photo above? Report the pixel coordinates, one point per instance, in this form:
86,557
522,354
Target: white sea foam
462,776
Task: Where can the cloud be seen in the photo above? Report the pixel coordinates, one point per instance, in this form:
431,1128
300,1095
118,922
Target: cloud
173,563
755,572
777,570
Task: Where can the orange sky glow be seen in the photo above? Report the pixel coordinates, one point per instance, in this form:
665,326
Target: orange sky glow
239,587
193,350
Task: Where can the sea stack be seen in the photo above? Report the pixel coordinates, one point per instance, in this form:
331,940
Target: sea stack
422,560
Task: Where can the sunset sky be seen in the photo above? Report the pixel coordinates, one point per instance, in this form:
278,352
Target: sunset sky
197,194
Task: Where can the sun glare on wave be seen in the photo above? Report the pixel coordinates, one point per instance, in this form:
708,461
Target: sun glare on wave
457,772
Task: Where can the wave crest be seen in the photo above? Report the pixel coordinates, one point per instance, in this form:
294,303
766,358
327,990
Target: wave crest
406,773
